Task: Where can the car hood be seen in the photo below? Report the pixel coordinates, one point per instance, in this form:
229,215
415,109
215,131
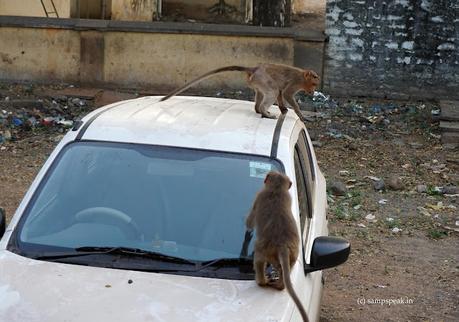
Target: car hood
32,290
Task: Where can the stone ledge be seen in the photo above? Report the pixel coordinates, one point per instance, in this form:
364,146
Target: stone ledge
310,35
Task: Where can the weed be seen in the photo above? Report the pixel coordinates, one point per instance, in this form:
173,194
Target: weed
437,233
386,270
433,191
355,198
340,212
392,223
363,234
354,216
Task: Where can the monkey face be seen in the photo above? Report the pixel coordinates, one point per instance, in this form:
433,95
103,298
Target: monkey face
311,81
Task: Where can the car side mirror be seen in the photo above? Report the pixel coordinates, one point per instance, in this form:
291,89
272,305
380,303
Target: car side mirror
327,252
2,222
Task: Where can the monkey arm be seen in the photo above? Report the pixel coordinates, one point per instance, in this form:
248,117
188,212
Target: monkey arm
250,221
245,245
289,96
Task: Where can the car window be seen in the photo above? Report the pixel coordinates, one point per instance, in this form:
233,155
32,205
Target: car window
307,166
186,203
301,190
306,151
306,158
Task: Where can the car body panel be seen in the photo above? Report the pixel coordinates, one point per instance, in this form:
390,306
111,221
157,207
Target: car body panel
228,125
32,290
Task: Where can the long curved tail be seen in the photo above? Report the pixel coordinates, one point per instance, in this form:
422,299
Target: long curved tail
284,261
248,70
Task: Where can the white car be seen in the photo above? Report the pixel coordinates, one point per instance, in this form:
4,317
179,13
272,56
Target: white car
139,215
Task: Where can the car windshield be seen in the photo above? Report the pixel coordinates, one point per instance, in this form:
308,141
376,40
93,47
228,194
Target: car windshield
183,203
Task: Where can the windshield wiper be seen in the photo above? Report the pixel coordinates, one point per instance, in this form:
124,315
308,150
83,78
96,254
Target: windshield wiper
124,251
226,262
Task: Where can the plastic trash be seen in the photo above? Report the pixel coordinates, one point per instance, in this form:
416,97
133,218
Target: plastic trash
17,121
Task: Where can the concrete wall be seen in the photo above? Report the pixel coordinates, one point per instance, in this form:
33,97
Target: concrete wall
131,10
204,3
200,9
393,48
146,10
308,6
157,56
39,54
134,10
166,60
34,8
92,9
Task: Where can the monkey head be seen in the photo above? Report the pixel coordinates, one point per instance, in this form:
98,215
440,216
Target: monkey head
311,81
277,179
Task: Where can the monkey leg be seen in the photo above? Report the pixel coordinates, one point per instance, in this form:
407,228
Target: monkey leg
268,100
258,100
259,266
278,283
281,104
266,92
260,276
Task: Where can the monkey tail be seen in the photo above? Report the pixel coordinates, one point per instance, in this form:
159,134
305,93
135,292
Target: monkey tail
248,70
285,263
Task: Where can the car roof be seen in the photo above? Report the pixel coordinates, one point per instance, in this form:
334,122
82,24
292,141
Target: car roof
191,122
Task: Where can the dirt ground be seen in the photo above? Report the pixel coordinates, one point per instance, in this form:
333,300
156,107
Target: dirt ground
391,275
405,244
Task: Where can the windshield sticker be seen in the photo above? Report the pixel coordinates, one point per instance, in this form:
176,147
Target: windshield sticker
259,169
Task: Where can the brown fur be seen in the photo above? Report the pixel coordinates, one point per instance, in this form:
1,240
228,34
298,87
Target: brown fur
271,83
277,240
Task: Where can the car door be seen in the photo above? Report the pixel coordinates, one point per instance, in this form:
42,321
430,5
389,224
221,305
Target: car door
305,176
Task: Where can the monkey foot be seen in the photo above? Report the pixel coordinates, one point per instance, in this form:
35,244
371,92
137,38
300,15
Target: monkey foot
268,116
278,284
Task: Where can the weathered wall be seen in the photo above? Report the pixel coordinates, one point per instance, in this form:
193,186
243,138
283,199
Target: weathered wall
158,56
92,9
167,60
393,48
206,3
134,10
39,54
34,8
201,9
308,6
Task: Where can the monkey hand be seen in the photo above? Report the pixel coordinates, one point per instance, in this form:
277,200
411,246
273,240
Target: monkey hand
245,245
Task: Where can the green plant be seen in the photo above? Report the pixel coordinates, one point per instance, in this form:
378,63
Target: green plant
386,270
363,234
354,198
392,223
340,212
435,233
354,216
433,191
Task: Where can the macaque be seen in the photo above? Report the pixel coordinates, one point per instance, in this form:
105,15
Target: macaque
271,83
277,241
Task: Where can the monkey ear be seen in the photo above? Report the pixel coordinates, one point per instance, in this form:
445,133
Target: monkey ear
267,176
290,184
308,74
